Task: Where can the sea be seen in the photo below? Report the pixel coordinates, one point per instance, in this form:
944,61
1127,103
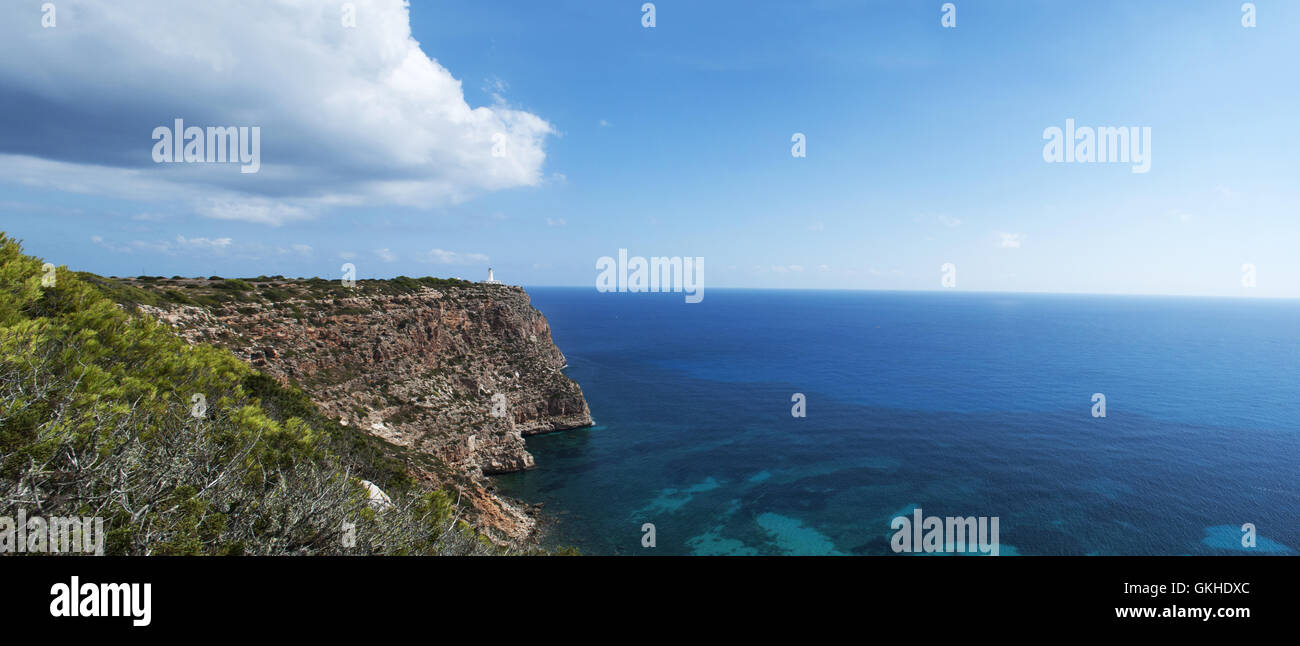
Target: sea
957,404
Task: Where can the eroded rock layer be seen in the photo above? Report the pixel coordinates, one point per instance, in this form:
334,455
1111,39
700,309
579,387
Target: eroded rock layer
457,370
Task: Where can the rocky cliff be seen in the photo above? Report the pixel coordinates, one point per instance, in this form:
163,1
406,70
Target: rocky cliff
454,370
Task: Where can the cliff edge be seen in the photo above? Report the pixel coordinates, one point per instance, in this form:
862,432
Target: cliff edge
455,370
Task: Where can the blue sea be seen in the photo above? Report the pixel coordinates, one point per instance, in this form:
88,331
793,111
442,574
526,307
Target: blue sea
960,404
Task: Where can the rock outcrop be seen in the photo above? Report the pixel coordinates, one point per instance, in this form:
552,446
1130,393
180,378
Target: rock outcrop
457,370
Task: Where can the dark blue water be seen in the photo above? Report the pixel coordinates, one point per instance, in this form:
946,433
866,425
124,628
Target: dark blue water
960,404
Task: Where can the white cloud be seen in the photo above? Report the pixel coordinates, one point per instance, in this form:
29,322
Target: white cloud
496,88
881,272
180,245
202,243
1011,240
442,257
945,220
386,255
116,248
558,222
262,211
784,269
348,115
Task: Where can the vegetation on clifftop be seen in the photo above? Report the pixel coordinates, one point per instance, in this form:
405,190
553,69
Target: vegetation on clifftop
185,449
212,291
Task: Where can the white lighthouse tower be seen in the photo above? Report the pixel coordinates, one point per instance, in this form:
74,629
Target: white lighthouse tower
492,279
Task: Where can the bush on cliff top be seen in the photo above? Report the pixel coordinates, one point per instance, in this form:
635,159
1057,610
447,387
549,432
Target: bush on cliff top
182,449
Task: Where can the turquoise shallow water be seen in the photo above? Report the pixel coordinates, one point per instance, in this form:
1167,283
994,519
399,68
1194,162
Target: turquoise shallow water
960,404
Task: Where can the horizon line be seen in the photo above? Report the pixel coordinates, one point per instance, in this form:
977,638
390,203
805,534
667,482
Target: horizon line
778,289
945,290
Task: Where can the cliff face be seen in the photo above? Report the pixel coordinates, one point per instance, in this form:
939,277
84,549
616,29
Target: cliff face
460,371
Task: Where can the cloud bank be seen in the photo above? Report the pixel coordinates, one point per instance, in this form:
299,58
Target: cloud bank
349,115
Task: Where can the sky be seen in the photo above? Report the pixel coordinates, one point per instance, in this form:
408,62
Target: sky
536,137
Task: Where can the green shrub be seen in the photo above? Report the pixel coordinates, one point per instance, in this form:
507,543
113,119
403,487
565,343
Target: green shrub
98,417
234,284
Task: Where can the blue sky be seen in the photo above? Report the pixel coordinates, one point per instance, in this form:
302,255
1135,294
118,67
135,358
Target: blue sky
924,144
